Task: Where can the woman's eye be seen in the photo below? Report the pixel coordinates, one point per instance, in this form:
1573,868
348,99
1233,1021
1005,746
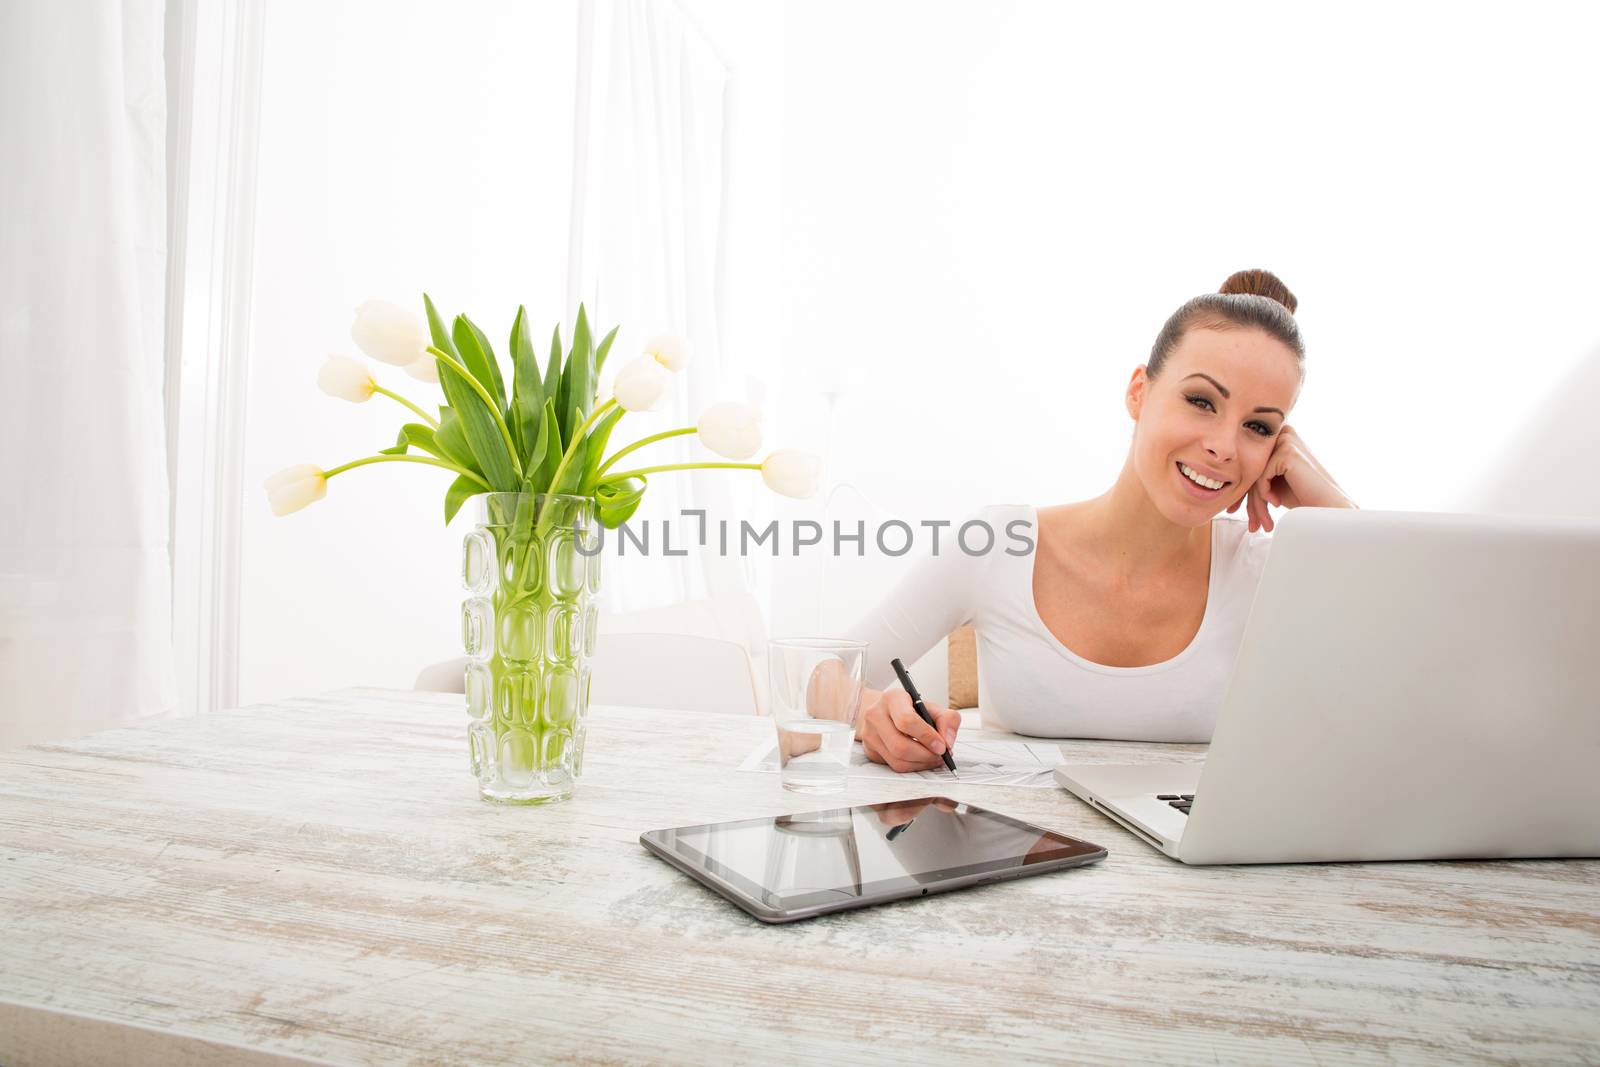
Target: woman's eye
1205,404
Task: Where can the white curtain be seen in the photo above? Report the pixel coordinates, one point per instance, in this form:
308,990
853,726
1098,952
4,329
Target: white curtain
85,630
649,250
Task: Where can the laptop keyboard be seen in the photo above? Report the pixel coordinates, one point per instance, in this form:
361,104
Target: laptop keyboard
1181,801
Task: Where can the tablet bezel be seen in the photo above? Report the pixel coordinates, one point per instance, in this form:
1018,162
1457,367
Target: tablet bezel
771,907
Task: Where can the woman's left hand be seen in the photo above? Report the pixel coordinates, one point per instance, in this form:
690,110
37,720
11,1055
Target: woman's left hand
1292,478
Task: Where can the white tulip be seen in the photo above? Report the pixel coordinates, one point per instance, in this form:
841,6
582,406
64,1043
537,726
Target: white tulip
346,379
425,369
792,473
641,384
669,350
389,333
294,487
731,429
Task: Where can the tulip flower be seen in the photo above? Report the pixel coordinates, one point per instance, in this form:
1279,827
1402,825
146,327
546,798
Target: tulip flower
347,379
294,487
389,333
669,350
792,473
731,429
425,369
641,384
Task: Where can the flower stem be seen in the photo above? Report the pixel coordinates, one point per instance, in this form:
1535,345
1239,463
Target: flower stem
429,419
429,460
489,403
663,435
642,471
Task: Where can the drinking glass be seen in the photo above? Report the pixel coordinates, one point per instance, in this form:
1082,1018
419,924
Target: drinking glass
814,700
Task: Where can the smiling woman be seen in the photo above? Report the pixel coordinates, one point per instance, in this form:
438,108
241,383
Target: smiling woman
1125,620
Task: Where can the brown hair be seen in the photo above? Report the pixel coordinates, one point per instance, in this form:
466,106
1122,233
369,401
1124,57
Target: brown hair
1249,299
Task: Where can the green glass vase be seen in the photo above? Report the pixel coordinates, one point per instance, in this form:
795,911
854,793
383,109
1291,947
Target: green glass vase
531,568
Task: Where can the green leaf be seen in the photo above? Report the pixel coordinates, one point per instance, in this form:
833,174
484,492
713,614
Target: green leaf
416,435
552,453
526,384
522,523
440,335
527,389
563,408
436,328
552,373
460,489
572,473
620,490
617,500
577,382
598,437
604,349
525,428
451,439
533,469
478,358
481,430
572,477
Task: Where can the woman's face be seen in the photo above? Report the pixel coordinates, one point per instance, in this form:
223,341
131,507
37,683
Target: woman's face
1215,409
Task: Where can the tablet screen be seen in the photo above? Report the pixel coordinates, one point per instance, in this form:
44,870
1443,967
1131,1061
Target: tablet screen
794,861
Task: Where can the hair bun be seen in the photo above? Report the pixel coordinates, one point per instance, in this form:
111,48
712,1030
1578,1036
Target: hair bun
1260,283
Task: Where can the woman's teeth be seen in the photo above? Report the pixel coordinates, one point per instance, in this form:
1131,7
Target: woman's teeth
1199,479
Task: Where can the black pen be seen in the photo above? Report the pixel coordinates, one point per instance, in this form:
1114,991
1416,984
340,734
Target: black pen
922,709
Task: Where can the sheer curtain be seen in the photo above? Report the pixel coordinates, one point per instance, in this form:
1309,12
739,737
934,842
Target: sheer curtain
85,579
433,157
648,249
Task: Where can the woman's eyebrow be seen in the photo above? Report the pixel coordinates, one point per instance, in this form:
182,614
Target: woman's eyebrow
1220,387
1224,391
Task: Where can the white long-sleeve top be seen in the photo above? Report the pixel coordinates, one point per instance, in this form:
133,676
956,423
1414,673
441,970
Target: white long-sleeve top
1028,681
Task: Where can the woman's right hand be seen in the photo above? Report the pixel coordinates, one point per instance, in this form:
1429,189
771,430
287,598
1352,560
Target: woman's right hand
892,733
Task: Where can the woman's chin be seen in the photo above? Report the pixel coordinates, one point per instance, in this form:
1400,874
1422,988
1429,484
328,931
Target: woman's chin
1186,511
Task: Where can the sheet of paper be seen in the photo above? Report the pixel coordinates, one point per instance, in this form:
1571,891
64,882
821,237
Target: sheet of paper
1025,763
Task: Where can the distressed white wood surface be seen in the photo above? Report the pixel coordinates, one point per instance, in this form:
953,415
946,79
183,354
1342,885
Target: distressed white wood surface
318,879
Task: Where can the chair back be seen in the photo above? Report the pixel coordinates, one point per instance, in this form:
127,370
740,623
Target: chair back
963,650
683,672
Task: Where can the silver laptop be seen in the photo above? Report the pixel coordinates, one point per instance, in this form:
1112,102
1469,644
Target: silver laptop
1409,686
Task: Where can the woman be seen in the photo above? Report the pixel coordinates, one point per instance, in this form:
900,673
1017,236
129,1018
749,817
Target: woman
1125,620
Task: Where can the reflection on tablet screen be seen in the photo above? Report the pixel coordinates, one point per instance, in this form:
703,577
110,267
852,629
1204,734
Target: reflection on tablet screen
845,850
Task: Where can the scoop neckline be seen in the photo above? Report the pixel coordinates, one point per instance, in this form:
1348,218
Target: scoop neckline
1038,622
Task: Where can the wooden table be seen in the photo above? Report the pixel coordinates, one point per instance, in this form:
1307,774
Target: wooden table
317,879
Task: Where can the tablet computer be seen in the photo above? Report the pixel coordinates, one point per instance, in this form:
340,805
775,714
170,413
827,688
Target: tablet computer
787,867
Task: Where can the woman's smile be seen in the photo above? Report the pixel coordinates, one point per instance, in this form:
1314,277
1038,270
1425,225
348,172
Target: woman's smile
1197,483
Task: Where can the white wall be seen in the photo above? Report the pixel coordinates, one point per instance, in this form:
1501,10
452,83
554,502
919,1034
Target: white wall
403,147
1548,467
